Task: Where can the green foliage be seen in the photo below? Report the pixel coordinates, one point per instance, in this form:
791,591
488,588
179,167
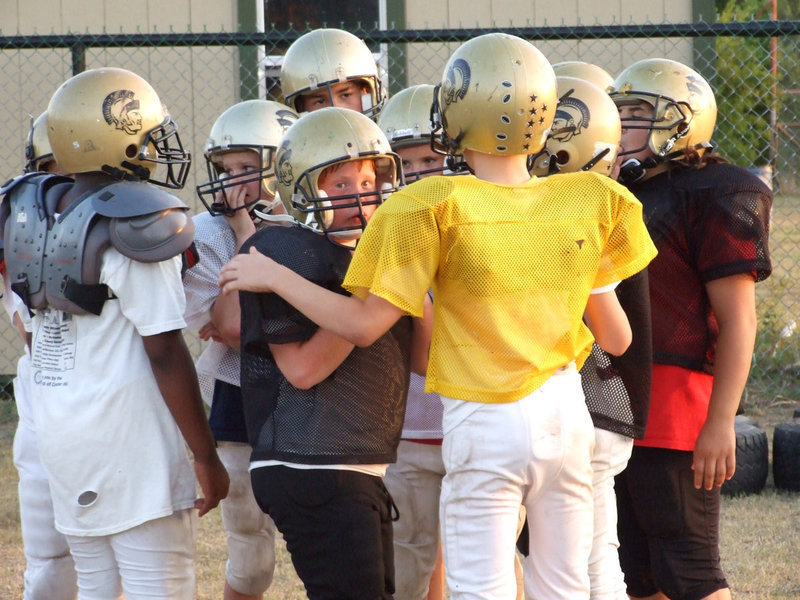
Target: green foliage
744,90
776,356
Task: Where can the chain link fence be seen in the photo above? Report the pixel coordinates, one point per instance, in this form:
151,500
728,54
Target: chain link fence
753,67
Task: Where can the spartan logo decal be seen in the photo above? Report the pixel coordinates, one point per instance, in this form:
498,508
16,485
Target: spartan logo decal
284,169
695,86
454,88
285,118
121,109
572,116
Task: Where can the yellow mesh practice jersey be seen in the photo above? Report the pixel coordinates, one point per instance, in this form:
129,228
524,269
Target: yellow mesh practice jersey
511,269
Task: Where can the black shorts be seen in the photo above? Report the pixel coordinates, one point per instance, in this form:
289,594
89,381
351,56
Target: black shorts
668,530
337,525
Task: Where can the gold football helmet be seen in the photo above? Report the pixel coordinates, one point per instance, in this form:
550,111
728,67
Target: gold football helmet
37,149
406,121
323,138
256,125
585,134
112,120
324,57
406,118
684,107
497,96
586,71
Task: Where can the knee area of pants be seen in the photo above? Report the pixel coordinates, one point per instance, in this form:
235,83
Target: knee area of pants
54,579
251,563
250,584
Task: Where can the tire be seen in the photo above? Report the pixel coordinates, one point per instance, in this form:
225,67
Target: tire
752,460
786,456
745,419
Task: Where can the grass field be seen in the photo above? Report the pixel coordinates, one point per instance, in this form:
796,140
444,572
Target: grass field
760,536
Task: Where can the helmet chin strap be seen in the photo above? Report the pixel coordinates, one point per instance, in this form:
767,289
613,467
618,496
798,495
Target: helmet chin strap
633,170
262,209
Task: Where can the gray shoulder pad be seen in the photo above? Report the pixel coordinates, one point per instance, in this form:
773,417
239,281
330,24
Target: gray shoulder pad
124,199
153,237
52,180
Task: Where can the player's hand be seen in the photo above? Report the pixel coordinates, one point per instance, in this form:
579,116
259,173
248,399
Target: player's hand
250,272
209,331
240,221
714,459
214,482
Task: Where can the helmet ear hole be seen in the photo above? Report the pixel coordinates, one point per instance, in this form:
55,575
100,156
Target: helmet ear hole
562,157
131,151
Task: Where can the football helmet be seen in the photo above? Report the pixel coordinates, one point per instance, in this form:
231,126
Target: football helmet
586,71
684,107
256,125
406,121
323,138
585,134
37,149
324,57
112,120
497,96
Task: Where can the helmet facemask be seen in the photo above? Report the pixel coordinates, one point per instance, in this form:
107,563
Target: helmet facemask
370,98
441,143
214,193
310,199
669,123
161,146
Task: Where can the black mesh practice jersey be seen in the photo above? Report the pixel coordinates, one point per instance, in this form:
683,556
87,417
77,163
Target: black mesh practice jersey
707,224
356,415
617,388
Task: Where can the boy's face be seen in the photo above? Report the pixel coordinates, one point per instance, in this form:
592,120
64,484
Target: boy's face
345,94
635,141
244,166
347,180
420,161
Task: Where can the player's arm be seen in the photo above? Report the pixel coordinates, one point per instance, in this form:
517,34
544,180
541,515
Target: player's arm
177,380
608,322
361,322
307,363
733,304
226,319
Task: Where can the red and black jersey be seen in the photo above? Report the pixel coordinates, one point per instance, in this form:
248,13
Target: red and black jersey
707,224
355,416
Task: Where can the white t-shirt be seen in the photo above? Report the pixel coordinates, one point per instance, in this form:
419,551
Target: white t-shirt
114,454
13,304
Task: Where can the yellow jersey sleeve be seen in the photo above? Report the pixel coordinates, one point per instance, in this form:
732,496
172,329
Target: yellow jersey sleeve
398,255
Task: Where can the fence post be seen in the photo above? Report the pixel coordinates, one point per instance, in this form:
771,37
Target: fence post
248,55
78,52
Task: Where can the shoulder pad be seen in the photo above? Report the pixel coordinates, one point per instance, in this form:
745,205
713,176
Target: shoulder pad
40,177
153,237
125,199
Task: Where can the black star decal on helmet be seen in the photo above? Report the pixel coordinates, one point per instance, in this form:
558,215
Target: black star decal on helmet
532,111
544,107
533,98
530,124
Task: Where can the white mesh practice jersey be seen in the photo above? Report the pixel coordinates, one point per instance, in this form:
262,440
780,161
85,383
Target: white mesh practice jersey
216,245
